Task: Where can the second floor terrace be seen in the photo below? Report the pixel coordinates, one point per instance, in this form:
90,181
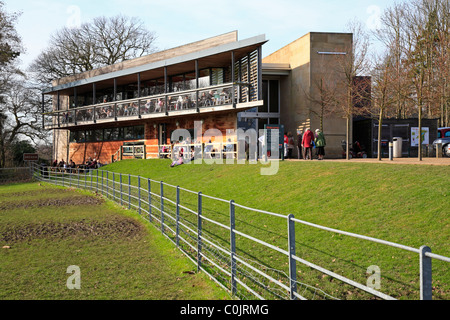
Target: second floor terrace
218,77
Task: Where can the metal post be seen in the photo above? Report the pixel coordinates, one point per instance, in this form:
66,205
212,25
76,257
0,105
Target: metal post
94,100
139,195
96,189
199,232
149,200
391,151
63,178
233,80
426,290
233,248
91,181
129,191
197,74
114,186
292,263
107,187
161,194
178,217
121,189
102,184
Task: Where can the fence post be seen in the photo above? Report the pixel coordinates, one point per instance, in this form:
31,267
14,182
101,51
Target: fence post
292,262
96,189
425,275
114,186
199,232
139,195
233,248
161,194
102,184
129,191
63,178
149,200
178,217
91,180
121,189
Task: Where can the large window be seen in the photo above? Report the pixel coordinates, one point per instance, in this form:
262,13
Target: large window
109,134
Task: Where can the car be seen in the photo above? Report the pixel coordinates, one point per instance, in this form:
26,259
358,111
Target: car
444,132
445,142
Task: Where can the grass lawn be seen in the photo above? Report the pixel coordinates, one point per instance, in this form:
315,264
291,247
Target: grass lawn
406,204
120,256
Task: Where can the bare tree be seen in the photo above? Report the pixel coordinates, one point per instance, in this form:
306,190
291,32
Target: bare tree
10,42
104,41
354,63
20,117
384,91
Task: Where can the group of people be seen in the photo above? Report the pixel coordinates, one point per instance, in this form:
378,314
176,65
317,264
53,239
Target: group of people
70,166
306,142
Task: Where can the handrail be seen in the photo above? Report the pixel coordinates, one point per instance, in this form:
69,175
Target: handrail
162,95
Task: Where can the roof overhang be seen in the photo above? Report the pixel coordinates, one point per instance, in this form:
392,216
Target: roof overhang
276,69
215,56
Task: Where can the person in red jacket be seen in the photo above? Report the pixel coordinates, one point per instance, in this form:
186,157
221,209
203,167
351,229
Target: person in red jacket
308,142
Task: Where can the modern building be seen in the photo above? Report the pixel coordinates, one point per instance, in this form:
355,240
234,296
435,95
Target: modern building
132,108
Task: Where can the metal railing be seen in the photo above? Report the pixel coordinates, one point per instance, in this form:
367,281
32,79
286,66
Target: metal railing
19,174
206,230
173,102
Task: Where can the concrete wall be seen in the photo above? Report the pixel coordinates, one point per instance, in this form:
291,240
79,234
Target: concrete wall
299,91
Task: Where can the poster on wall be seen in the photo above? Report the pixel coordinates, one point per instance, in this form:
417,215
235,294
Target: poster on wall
415,136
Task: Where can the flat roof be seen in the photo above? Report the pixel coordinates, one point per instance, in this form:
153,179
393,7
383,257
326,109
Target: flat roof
217,53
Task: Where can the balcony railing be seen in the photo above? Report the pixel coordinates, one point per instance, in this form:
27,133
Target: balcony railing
163,104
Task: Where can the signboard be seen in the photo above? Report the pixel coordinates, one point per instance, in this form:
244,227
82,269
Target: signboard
30,157
280,128
415,136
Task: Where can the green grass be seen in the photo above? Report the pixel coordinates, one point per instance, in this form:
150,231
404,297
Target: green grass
120,255
406,204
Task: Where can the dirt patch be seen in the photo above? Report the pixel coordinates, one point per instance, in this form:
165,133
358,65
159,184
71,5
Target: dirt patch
113,228
36,192
77,200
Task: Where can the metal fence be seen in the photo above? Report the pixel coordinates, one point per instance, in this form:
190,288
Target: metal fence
205,229
8,175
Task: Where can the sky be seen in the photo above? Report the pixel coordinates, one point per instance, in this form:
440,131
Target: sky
176,22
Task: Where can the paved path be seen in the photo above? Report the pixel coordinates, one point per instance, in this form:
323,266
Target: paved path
425,161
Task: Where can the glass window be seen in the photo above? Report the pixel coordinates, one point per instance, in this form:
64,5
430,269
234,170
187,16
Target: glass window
139,132
274,97
111,134
265,90
128,133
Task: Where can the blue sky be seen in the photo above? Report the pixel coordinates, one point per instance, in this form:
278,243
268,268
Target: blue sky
178,22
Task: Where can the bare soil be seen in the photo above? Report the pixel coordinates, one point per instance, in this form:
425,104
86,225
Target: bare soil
76,200
113,227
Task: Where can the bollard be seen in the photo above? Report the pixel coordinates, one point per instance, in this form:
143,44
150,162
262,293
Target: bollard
391,151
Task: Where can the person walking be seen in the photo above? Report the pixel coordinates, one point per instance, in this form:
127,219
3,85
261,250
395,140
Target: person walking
299,144
320,143
307,142
290,144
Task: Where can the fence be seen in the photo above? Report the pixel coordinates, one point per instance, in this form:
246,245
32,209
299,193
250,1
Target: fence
205,229
8,175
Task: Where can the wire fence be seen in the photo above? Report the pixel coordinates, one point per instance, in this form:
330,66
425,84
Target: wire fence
20,174
209,231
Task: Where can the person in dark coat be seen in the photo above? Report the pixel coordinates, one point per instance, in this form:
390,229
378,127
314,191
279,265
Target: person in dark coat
299,144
